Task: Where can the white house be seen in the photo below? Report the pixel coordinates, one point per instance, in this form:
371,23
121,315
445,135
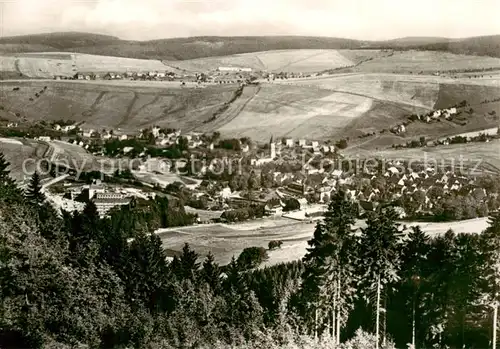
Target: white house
315,144
302,142
289,142
68,128
245,148
44,138
123,137
127,150
88,133
156,131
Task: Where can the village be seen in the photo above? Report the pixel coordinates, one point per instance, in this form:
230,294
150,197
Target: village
232,180
221,75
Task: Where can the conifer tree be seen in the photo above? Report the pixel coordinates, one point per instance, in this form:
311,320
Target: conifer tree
188,265
329,273
34,193
491,249
414,256
211,272
379,258
4,172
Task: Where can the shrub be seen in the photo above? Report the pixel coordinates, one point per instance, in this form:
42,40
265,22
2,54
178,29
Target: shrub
364,340
252,257
275,244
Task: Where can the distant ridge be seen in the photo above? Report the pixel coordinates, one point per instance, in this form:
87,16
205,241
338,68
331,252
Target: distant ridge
208,46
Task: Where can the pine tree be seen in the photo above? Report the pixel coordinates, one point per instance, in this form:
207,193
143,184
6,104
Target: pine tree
330,266
490,243
415,254
8,190
4,172
211,272
188,265
34,193
379,258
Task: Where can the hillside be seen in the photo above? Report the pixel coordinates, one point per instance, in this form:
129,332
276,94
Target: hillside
209,46
335,107
129,107
353,105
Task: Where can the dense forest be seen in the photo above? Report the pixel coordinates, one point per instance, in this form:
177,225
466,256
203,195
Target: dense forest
74,280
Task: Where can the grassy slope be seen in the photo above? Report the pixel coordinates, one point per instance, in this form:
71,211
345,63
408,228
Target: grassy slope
274,61
105,106
196,47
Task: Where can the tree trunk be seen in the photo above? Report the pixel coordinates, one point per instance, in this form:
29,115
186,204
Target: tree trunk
384,323
413,325
495,316
338,315
377,315
316,324
334,310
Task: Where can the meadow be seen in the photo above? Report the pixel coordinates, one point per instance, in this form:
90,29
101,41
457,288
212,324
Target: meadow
17,151
127,107
50,64
486,156
305,61
426,62
224,240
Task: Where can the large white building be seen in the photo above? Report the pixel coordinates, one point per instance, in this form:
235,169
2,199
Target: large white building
234,69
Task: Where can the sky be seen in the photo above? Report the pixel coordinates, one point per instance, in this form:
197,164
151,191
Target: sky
155,19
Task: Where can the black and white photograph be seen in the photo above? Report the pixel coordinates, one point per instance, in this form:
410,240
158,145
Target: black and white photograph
249,174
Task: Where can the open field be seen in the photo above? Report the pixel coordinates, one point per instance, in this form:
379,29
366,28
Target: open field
426,61
50,64
486,156
344,105
126,107
350,105
224,240
305,61
362,60
22,154
70,155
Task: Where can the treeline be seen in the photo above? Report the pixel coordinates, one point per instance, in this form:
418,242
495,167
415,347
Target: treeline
76,279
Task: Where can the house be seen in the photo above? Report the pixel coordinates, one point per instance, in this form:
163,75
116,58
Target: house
123,137
302,202
57,127
156,131
127,150
68,128
88,133
289,142
245,148
95,189
44,138
315,144
302,143
225,193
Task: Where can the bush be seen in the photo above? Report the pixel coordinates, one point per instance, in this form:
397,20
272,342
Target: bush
275,244
364,340
252,257
291,205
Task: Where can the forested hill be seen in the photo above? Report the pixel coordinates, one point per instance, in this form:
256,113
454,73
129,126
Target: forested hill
207,46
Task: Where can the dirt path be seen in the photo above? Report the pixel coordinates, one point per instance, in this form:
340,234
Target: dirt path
229,115
129,110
